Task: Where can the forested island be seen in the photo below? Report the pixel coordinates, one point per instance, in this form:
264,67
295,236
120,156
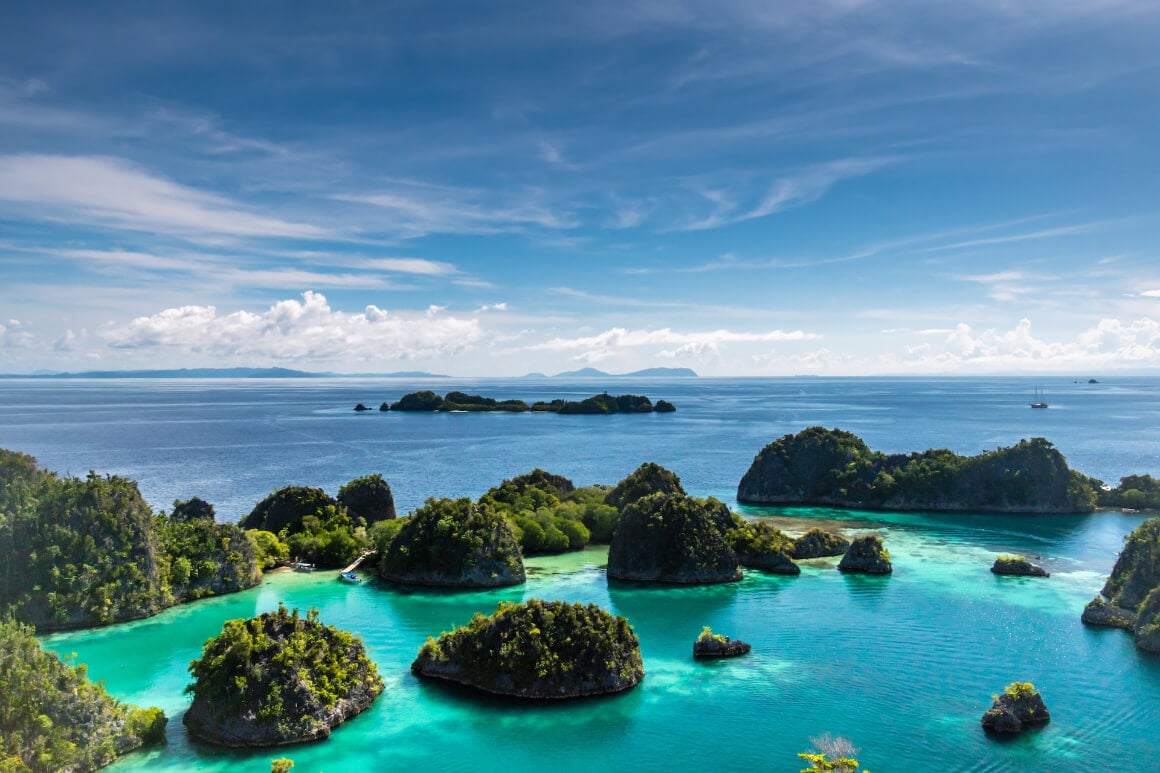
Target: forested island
1130,599
461,402
54,718
276,679
821,466
538,649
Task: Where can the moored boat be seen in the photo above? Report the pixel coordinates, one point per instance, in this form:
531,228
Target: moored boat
350,577
302,566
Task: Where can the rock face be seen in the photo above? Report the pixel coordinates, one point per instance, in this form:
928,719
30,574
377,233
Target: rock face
1020,705
1018,566
817,543
714,645
278,679
543,650
670,539
1130,599
866,556
452,543
819,466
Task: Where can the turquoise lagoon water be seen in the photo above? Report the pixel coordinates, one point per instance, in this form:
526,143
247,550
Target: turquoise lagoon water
904,665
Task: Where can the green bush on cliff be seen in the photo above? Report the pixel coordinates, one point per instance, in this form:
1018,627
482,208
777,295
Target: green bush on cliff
538,649
649,478
278,678
822,466
455,543
53,718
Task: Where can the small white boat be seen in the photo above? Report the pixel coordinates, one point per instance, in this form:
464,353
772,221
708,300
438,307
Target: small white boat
350,577
302,566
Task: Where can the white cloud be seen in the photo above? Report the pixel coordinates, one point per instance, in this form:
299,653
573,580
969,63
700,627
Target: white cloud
1151,293
606,344
293,329
105,191
420,266
493,307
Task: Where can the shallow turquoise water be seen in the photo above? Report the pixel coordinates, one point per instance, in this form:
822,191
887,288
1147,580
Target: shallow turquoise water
903,665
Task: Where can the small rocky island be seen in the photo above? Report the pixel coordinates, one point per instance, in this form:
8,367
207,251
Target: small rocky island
820,466
714,645
866,555
1019,706
54,718
1130,599
454,543
760,545
818,543
672,538
461,402
546,650
1019,566
278,679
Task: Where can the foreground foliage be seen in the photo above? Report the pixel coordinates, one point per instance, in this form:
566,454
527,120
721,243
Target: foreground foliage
53,718
81,552
538,649
278,678
822,466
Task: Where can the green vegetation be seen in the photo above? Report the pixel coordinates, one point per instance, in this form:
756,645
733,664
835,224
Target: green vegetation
1017,565
269,550
1135,492
192,509
866,555
1019,705
278,678
53,718
548,514
671,538
285,509
1148,622
1130,599
460,401
708,635
82,552
817,543
831,754
451,542
649,478
760,545
368,498
822,466
538,649
1020,690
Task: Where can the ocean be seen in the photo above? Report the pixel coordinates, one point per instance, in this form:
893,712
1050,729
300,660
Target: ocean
903,666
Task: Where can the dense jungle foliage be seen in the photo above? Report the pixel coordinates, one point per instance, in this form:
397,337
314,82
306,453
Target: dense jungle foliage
649,478
671,538
277,678
538,649
368,498
455,543
53,718
822,466
81,552
548,514
1137,492
1137,570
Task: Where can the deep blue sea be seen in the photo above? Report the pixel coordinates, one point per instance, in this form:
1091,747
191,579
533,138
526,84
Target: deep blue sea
903,666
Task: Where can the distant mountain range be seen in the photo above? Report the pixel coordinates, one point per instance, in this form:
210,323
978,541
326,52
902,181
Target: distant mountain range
226,373
646,373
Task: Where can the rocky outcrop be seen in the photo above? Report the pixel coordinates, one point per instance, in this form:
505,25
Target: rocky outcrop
1130,599
866,556
714,645
453,543
819,466
1017,566
759,545
670,538
649,478
542,650
1019,706
817,543
278,679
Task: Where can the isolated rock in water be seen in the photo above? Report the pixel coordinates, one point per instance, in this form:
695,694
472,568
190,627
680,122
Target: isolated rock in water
817,543
1020,705
760,545
1099,612
277,679
1018,566
539,649
714,645
670,539
866,556
453,543
360,408
1148,623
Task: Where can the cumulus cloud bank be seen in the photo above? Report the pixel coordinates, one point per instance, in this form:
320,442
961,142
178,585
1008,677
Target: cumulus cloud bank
291,329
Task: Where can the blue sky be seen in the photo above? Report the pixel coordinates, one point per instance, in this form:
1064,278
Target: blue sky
745,188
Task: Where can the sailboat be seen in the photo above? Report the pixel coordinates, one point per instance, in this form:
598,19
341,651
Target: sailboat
1039,402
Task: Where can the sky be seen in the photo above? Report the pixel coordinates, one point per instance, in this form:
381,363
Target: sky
747,188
